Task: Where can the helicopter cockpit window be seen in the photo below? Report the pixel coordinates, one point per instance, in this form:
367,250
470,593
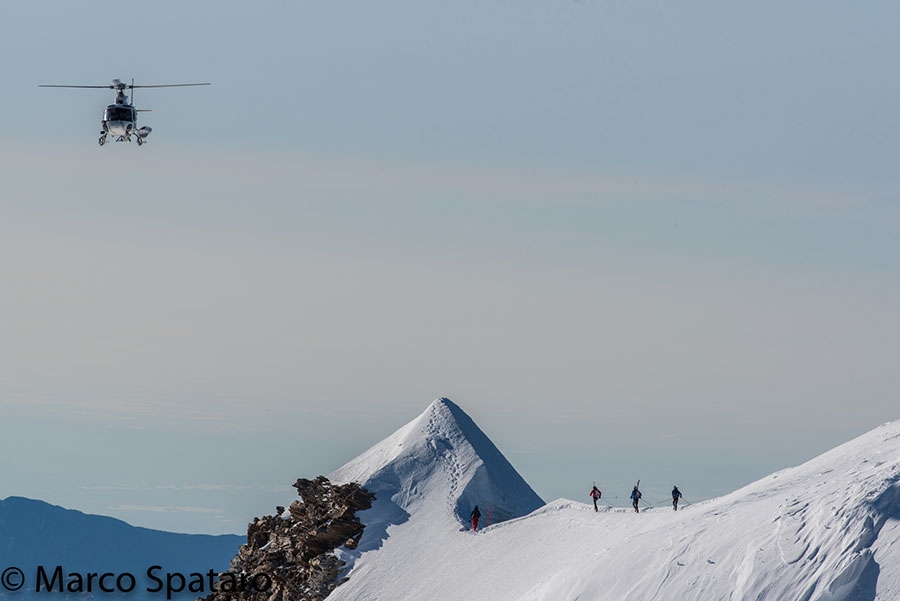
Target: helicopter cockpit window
119,114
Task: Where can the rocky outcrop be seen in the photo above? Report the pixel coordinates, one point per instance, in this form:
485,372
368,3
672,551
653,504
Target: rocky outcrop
290,556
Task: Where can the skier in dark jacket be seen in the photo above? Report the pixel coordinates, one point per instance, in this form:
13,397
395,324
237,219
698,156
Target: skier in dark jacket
676,494
475,515
595,495
635,499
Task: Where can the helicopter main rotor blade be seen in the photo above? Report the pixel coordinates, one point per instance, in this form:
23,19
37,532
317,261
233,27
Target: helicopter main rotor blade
125,86
171,85
63,86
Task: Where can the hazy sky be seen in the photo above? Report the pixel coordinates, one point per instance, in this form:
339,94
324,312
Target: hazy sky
648,240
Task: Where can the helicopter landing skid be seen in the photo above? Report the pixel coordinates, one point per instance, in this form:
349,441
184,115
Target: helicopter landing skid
140,139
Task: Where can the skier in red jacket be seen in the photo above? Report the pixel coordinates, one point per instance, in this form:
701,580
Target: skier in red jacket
595,495
475,515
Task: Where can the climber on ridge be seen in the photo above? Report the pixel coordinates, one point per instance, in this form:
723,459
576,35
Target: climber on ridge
636,497
595,495
475,515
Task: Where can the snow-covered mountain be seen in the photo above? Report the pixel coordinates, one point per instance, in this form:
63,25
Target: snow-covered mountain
437,468
828,530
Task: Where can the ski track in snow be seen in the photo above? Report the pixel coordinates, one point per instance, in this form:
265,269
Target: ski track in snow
828,530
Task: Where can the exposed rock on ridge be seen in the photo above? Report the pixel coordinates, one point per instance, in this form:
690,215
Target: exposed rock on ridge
295,548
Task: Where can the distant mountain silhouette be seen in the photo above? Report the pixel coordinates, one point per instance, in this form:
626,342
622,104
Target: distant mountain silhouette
34,533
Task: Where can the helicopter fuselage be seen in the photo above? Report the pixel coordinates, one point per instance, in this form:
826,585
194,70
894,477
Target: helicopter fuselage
120,121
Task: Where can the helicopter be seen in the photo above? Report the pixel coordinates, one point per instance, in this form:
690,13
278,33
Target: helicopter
120,118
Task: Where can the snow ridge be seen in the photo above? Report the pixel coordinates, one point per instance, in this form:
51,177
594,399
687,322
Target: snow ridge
828,530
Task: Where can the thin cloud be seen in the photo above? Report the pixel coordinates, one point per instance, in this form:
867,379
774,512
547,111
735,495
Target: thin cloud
135,409
167,509
390,180
181,487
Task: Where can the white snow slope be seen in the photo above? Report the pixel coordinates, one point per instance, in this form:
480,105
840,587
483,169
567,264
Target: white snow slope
828,530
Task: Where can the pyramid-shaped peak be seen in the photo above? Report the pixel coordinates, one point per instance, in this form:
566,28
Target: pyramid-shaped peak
442,454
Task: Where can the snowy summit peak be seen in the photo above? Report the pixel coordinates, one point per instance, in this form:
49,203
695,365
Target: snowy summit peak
441,461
